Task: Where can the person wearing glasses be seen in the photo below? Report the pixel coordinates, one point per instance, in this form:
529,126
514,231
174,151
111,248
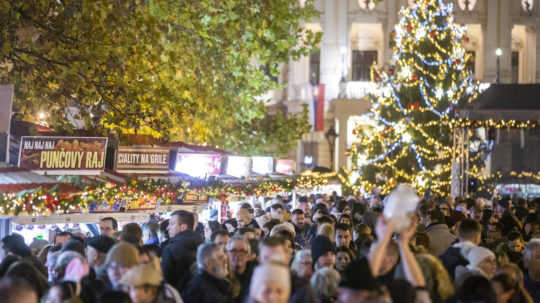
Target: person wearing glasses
238,251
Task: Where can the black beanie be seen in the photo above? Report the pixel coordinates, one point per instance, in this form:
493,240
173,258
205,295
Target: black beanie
14,243
358,276
101,243
320,245
74,245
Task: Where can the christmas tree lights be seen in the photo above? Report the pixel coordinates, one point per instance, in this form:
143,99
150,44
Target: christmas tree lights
415,105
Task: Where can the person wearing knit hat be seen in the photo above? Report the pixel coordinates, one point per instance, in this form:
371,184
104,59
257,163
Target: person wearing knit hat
97,249
481,260
145,284
323,252
270,283
120,259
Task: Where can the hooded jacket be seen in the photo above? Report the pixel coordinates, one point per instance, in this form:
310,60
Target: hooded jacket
453,258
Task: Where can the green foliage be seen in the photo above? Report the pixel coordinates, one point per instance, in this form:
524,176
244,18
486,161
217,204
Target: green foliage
179,70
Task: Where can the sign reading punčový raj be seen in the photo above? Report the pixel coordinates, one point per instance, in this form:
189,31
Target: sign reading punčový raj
63,155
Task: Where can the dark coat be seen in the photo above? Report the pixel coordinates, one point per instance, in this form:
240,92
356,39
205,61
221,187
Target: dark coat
532,287
302,235
245,281
178,256
300,290
451,259
204,288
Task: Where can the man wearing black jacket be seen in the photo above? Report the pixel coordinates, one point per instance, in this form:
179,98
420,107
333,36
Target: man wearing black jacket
469,233
178,256
209,285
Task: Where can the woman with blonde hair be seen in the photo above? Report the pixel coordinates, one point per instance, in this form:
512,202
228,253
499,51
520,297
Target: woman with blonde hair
145,284
326,229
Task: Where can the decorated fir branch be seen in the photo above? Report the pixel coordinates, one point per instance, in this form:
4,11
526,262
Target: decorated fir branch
415,104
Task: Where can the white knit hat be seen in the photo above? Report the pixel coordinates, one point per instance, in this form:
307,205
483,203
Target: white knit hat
476,255
270,272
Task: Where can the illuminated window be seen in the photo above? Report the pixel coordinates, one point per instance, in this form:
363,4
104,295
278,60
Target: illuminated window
472,61
515,67
315,67
361,64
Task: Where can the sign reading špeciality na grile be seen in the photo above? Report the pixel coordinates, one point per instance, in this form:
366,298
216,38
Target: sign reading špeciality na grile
63,155
144,159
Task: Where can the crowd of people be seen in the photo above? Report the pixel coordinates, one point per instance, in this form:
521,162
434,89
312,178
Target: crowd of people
324,249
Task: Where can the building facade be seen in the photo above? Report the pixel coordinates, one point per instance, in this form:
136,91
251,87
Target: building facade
356,33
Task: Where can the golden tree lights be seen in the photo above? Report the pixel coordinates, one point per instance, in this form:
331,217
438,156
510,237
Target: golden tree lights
415,105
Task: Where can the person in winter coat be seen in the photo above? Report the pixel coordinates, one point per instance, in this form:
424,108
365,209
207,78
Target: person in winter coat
180,253
238,251
209,285
469,234
439,235
120,258
145,284
481,262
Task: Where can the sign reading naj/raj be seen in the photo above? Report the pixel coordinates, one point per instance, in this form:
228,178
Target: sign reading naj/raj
142,159
63,155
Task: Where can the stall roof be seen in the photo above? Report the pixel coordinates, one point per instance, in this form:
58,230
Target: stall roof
506,102
15,179
184,147
16,175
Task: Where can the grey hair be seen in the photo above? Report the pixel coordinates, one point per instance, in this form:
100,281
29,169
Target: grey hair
325,282
238,238
298,257
66,257
204,252
528,252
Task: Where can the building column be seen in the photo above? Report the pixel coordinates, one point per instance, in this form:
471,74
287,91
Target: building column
529,73
537,53
335,39
342,139
298,78
498,34
392,9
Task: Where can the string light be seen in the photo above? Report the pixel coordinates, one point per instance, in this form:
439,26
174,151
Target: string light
415,107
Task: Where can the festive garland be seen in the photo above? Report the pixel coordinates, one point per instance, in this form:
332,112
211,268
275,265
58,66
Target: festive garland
142,194
39,201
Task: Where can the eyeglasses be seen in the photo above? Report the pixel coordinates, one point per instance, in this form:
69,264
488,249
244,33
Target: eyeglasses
238,251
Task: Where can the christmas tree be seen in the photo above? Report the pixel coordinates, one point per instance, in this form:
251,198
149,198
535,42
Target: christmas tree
415,104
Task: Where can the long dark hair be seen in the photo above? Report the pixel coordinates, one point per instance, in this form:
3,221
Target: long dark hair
27,271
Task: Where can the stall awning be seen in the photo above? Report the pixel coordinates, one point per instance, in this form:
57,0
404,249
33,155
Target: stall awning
184,147
15,179
519,102
15,175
